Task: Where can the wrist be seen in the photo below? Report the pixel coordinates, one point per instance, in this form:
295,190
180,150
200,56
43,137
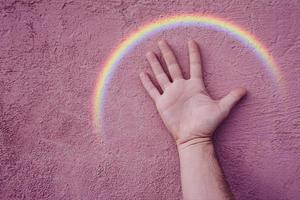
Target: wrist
193,143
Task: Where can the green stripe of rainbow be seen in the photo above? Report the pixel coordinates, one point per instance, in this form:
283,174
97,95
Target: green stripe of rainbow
168,22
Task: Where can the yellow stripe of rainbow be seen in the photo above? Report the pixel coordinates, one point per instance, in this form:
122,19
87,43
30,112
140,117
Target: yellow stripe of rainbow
209,21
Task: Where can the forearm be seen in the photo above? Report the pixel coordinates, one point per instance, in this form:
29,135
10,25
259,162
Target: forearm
201,175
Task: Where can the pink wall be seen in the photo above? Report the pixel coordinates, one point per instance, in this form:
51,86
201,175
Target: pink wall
49,60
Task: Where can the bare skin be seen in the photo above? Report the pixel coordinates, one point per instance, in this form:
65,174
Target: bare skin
191,116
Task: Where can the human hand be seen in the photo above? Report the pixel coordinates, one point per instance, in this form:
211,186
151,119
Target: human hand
185,106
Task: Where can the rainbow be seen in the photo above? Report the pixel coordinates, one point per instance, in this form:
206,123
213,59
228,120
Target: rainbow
211,22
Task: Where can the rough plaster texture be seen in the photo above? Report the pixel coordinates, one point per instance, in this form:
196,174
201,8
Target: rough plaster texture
50,53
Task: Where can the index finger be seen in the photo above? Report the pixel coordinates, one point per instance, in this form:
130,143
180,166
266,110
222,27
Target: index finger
172,64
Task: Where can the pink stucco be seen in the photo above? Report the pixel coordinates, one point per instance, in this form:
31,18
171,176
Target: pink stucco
50,54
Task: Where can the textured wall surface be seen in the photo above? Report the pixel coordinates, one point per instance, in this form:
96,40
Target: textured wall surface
50,56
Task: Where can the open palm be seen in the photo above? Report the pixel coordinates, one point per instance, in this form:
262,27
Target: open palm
185,106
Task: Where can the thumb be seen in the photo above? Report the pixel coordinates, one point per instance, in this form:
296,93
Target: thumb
228,101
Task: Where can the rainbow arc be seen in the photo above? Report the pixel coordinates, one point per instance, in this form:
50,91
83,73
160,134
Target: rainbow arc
206,21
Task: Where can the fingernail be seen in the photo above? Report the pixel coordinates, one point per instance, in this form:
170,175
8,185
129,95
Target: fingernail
142,74
149,53
242,91
161,42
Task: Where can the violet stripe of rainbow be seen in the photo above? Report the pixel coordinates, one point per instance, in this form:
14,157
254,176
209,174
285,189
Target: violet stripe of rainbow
135,37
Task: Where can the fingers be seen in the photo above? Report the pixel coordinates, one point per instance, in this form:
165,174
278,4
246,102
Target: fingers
195,60
148,85
158,71
227,102
169,57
